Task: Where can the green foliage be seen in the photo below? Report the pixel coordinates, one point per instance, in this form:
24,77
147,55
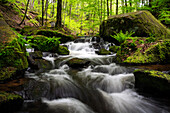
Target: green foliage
121,37
141,42
164,17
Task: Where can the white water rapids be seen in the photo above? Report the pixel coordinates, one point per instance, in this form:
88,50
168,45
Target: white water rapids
101,88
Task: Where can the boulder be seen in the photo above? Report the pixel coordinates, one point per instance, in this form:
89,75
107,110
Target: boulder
50,33
78,63
142,23
148,53
154,82
10,102
43,43
62,50
103,52
12,51
113,48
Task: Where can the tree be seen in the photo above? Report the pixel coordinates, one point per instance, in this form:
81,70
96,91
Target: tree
59,11
107,8
42,12
117,7
25,12
46,8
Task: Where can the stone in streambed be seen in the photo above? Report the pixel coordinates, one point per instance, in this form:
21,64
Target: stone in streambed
154,82
78,63
103,52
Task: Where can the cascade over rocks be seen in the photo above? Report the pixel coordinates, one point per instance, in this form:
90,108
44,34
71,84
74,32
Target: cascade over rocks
143,23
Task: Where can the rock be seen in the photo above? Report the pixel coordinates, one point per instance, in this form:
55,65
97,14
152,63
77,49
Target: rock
78,63
113,48
50,33
12,52
143,23
158,52
62,50
36,55
7,73
103,52
9,102
43,64
45,44
154,82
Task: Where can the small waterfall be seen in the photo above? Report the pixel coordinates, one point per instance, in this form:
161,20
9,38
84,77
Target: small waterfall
103,87
67,105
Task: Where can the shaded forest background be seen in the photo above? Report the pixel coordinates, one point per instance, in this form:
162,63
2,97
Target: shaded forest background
83,17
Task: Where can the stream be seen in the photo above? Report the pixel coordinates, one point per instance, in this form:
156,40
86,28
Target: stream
102,87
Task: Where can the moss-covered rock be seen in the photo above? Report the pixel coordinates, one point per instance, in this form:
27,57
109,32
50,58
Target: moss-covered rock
154,82
62,50
50,33
36,55
7,73
114,48
103,52
143,23
10,102
45,44
12,52
157,53
78,63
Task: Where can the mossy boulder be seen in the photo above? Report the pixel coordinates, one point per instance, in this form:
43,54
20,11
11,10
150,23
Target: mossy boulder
142,23
103,52
62,50
154,82
54,33
12,52
78,63
45,44
7,73
10,102
114,48
36,55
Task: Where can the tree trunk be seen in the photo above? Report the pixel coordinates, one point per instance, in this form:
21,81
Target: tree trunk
110,7
130,3
150,3
107,8
46,8
101,12
126,6
59,11
117,7
25,12
123,6
42,12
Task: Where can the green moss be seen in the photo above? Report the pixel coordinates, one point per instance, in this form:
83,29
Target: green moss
43,43
5,97
62,50
114,49
7,73
11,54
104,52
77,63
158,53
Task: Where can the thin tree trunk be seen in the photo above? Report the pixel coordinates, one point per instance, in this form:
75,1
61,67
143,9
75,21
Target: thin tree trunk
59,11
123,6
126,6
130,3
42,12
46,9
150,3
104,9
25,12
107,8
117,7
110,7
101,12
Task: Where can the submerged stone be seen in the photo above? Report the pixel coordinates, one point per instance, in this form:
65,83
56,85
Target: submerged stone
142,23
154,82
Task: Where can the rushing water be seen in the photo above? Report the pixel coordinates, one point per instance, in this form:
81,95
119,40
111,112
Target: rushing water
103,87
